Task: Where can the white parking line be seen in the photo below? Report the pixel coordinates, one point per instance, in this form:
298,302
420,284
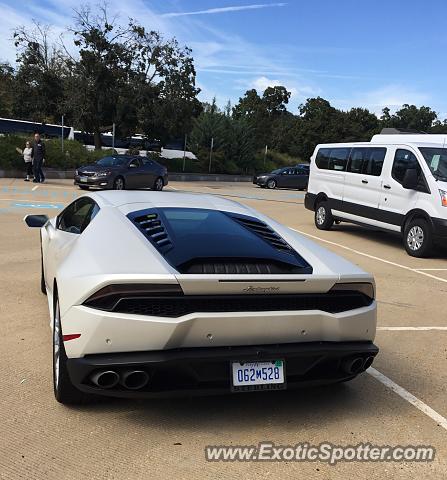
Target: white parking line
372,256
172,188
431,269
35,188
411,329
409,397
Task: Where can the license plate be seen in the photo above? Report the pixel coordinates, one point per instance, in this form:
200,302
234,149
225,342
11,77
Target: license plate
258,375
83,179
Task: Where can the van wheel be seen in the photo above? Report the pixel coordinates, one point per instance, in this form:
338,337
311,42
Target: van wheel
323,216
418,238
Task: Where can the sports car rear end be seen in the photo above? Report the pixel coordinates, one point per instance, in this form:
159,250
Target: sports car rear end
210,297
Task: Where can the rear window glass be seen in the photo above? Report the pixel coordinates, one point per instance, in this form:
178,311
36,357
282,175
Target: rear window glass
332,158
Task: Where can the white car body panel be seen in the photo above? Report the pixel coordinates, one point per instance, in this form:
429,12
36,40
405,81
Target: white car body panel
112,250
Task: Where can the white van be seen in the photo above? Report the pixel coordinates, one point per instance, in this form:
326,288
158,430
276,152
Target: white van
395,182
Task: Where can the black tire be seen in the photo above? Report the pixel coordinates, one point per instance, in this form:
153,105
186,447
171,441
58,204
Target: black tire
64,391
119,184
83,187
271,183
323,216
418,238
43,287
158,184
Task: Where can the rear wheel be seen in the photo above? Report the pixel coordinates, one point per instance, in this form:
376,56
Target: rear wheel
119,184
323,216
271,183
64,390
158,184
418,238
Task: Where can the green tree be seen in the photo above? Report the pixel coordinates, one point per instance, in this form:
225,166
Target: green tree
39,79
7,82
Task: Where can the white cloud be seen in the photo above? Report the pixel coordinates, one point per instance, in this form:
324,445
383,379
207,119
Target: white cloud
392,96
235,8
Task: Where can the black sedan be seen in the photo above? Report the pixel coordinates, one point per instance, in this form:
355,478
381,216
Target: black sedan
288,177
122,172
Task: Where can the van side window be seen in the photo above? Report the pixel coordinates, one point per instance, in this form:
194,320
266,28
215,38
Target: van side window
332,158
403,160
366,160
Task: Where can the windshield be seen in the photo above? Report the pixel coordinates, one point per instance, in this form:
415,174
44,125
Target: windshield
278,170
111,161
436,159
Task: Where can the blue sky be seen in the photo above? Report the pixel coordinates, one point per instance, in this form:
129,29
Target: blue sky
353,53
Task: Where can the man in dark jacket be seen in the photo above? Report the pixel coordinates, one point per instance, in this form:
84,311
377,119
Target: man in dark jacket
38,156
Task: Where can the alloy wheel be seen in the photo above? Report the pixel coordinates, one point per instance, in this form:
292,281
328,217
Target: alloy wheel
159,184
415,238
321,215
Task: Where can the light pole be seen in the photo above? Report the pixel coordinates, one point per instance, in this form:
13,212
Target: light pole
113,137
184,153
265,154
211,153
62,136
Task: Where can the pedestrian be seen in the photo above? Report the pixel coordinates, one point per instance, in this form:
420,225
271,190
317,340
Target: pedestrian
38,156
27,152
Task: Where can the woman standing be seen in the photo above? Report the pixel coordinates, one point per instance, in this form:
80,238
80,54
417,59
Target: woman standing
27,151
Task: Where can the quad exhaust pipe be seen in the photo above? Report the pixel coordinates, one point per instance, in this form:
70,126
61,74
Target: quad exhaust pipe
355,365
134,379
130,379
105,379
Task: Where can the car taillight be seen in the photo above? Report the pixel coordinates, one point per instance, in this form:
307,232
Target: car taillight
107,297
363,287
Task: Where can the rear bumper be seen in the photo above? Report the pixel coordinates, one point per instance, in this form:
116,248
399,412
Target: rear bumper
309,201
207,370
112,332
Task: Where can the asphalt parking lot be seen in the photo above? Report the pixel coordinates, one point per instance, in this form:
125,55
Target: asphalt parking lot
403,401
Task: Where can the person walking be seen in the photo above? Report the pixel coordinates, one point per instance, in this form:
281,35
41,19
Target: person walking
38,156
27,152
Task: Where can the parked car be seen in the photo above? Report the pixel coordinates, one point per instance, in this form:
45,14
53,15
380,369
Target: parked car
156,294
395,182
288,177
121,172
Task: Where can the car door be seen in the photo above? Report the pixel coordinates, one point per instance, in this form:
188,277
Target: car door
62,233
150,173
134,174
363,183
285,178
301,178
395,200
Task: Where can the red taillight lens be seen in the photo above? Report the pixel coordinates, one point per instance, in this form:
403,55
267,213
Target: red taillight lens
70,336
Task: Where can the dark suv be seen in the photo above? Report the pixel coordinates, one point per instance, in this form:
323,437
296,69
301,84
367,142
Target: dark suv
122,172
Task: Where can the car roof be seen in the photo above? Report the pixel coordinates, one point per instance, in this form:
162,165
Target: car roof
140,199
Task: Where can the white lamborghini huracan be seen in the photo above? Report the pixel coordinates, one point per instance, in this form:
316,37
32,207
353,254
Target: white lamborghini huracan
155,294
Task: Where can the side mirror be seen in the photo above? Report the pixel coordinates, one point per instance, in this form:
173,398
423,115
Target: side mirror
411,179
35,221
